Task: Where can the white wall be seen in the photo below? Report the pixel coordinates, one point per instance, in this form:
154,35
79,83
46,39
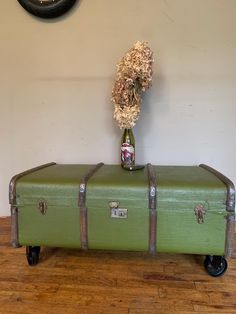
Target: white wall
56,80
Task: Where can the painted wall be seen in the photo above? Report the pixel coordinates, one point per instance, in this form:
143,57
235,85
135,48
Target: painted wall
56,80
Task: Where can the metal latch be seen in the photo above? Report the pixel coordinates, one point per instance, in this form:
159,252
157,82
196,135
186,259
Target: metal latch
117,212
200,213
42,206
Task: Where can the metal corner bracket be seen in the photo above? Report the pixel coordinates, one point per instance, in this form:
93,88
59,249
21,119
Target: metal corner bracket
230,208
12,201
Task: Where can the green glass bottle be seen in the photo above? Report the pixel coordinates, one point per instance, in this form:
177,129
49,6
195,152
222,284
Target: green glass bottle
127,153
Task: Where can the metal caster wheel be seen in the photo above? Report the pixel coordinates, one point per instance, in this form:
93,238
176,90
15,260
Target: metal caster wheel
215,265
32,254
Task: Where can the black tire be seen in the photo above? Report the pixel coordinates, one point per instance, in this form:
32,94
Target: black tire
32,254
47,8
215,265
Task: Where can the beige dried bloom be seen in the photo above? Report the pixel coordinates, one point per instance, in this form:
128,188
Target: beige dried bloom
134,76
126,116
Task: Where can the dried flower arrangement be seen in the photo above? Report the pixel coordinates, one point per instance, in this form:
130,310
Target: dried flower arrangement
134,76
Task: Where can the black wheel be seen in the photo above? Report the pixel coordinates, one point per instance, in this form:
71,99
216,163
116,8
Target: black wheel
32,254
215,265
47,8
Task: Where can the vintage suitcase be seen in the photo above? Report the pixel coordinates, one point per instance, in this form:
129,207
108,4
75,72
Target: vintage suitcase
182,209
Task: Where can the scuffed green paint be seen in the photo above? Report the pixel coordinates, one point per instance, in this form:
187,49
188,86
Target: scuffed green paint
179,190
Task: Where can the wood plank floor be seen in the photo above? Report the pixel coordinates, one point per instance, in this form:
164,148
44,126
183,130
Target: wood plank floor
71,281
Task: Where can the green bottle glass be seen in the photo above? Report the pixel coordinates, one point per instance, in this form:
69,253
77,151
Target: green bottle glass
127,153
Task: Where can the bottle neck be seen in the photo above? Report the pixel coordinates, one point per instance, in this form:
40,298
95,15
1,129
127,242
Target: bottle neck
128,136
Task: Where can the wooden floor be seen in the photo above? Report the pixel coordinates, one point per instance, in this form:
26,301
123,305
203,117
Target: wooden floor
70,281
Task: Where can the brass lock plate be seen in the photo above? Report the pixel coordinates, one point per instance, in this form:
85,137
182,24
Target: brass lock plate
117,212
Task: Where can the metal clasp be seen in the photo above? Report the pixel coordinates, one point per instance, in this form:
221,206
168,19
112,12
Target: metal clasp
200,213
42,206
116,211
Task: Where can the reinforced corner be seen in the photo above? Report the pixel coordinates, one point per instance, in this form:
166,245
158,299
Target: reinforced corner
230,208
12,201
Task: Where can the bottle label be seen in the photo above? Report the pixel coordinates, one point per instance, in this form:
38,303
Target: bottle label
127,154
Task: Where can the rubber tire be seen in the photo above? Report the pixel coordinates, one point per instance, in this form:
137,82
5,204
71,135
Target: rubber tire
215,265
48,9
32,255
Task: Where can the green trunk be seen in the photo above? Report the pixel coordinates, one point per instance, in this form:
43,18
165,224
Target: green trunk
179,190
